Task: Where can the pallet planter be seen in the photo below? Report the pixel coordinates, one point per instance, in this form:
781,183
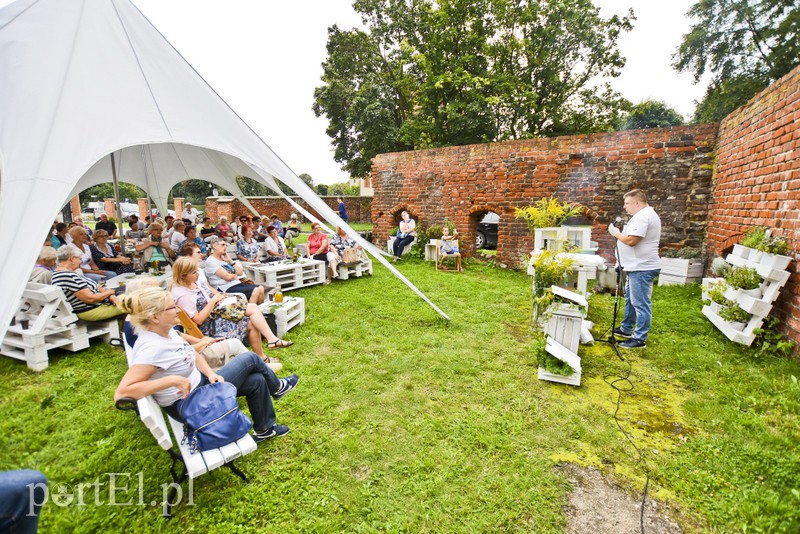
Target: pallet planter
564,329
553,238
774,280
288,314
556,349
287,274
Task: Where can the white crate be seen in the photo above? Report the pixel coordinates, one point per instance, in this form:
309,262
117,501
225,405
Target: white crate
564,354
288,314
364,266
553,238
681,267
288,275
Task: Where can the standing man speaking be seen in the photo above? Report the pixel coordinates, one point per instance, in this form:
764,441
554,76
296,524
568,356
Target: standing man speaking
637,245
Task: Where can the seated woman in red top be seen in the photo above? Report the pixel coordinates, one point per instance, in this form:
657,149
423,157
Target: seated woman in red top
318,247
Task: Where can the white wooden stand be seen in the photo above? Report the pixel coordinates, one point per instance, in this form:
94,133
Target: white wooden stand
51,324
288,314
364,266
288,275
553,238
680,271
774,280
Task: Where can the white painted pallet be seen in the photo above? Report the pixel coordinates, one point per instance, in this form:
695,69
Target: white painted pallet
288,314
287,275
558,350
364,266
554,237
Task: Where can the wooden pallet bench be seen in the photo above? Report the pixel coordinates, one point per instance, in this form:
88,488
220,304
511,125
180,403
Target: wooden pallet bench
51,324
193,465
356,269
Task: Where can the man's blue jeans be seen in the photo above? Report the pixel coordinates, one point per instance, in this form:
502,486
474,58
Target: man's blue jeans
638,303
22,494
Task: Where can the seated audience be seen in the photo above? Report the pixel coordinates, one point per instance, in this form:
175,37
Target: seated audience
224,274
168,229
274,245
449,247
200,301
191,237
167,367
43,270
259,229
339,243
276,222
106,257
189,213
207,230
224,230
247,247
88,301
318,247
406,234
216,350
79,222
108,226
134,232
156,248
88,266
178,237
293,228
60,236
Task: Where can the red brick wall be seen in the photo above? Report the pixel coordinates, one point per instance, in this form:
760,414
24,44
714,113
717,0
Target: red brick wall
673,165
358,208
757,180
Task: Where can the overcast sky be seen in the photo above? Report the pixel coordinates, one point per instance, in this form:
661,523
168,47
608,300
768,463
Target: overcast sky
264,58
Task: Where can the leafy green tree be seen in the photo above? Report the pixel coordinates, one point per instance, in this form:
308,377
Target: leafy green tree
343,189
321,189
100,192
745,45
452,72
650,114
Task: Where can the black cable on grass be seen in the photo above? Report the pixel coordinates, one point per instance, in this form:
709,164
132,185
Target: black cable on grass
622,384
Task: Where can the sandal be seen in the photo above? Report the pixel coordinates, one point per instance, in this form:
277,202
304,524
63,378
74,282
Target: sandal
267,359
280,344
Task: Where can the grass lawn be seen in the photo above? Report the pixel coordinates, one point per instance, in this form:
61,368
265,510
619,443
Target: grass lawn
403,422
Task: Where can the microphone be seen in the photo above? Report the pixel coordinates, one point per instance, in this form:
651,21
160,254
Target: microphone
618,220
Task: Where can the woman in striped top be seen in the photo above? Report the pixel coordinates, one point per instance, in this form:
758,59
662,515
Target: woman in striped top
89,302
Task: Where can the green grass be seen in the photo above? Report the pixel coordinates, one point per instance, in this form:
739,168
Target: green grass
404,422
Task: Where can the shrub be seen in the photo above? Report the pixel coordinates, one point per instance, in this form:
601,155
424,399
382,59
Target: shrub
774,245
547,212
770,342
547,361
743,278
716,293
720,267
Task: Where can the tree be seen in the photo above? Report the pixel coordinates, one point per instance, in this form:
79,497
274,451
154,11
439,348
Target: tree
343,189
745,44
321,189
453,72
650,114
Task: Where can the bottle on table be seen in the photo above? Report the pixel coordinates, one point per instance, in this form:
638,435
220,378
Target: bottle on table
278,295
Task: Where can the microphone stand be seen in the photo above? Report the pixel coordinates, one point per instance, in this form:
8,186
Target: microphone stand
612,339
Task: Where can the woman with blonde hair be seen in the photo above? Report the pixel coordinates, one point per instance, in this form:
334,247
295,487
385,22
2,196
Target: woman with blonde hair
199,300
168,368
89,268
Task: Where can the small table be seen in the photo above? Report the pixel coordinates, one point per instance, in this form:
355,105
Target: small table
117,281
288,314
287,274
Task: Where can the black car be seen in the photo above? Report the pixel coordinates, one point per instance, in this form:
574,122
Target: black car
486,236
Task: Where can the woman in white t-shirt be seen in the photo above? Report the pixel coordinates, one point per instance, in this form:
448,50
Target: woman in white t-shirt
168,368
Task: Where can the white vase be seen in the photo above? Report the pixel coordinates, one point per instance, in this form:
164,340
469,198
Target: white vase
775,261
715,307
754,293
736,325
741,251
755,255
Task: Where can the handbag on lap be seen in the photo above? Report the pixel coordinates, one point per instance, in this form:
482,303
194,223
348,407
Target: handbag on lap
212,417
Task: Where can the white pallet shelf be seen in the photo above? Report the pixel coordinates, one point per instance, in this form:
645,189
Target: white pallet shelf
680,271
364,266
774,280
289,275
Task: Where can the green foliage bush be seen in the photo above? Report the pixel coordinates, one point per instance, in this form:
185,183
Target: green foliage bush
731,312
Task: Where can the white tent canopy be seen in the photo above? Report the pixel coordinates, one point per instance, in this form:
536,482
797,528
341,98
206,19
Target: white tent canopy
80,79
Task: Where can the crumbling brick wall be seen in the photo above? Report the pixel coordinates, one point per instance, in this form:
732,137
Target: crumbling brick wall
461,184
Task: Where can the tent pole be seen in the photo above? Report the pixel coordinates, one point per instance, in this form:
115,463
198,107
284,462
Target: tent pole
116,195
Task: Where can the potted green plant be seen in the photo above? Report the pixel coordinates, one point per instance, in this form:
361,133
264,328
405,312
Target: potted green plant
545,218
735,316
774,252
748,249
681,266
745,279
548,269
714,295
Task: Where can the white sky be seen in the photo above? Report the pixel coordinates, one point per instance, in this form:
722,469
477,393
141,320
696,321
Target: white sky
264,58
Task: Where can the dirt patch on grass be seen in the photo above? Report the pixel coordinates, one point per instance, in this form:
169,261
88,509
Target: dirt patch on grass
599,507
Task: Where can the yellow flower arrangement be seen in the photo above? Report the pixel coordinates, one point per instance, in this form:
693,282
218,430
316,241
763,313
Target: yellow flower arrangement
547,212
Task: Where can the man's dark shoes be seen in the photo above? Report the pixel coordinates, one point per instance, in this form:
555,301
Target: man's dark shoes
286,385
622,333
275,431
632,344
